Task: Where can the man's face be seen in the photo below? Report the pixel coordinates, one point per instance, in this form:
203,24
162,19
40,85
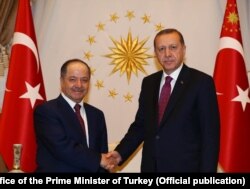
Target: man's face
169,51
75,83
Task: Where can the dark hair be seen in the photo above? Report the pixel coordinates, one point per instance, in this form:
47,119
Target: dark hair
68,62
168,31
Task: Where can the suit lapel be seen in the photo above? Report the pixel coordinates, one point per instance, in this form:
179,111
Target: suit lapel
70,117
156,91
91,130
177,92
90,122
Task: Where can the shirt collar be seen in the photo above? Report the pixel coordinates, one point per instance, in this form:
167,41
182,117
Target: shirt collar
71,102
174,75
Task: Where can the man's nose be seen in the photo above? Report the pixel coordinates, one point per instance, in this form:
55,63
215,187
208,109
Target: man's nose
167,52
78,82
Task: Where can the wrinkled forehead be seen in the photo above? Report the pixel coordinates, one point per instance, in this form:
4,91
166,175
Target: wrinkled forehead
77,70
167,39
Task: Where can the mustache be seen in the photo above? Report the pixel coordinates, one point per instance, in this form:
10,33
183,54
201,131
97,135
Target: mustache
167,59
77,89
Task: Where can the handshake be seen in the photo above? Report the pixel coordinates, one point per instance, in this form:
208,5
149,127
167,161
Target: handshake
110,160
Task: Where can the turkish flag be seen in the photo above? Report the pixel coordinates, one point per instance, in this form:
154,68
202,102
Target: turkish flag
232,88
24,90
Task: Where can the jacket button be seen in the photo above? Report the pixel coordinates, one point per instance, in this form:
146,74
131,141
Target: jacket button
157,137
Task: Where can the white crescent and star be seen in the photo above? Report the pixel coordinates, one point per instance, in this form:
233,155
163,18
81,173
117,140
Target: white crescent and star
32,93
229,42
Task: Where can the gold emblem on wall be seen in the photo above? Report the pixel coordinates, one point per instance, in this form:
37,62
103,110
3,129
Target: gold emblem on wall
129,53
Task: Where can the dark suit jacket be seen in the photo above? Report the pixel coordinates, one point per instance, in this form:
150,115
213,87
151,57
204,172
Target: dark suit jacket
62,146
187,139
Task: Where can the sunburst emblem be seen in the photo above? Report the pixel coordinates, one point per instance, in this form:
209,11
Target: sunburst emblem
233,18
129,56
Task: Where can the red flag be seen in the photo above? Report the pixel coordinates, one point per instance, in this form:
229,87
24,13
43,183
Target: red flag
232,88
24,90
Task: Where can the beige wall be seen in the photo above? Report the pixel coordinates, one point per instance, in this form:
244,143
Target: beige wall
63,26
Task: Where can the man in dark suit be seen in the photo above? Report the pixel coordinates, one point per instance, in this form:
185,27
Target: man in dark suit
66,144
186,139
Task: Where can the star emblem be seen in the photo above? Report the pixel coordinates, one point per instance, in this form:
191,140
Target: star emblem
243,97
100,26
130,15
146,18
129,56
88,55
159,27
92,70
99,84
91,40
113,93
114,17
32,93
128,97
233,18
